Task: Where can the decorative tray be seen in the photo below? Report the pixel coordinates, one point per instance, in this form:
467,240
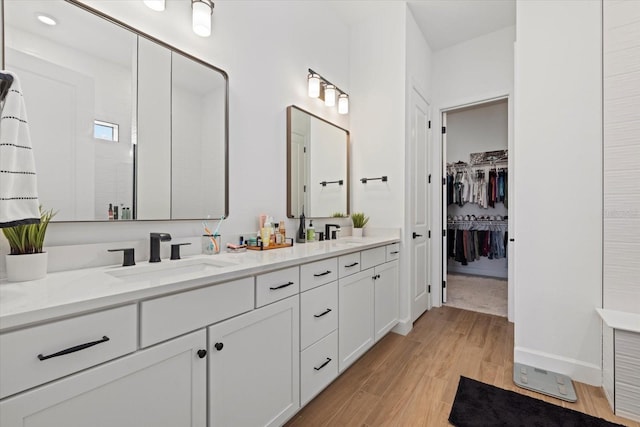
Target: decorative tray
287,244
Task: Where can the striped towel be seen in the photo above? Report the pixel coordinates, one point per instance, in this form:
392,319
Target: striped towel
18,187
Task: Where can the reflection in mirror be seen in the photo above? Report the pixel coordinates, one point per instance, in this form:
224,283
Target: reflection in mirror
115,117
317,167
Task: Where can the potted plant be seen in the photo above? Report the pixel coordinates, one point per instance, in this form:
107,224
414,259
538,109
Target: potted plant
359,221
27,261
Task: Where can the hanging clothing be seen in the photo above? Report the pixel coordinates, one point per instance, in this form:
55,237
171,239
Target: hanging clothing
18,187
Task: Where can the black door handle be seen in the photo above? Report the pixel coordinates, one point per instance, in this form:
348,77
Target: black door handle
74,348
202,354
281,286
218,346
327,311
323,365
416,235
322,274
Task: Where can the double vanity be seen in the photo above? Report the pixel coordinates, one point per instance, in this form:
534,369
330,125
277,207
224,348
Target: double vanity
243,339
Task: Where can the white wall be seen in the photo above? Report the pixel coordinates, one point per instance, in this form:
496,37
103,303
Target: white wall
266,48
472,71
559,181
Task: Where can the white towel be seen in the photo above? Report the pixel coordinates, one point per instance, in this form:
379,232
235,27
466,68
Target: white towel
18,187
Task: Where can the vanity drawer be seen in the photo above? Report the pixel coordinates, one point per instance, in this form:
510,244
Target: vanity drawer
318,367
318,273
372,257
393,251
29,357
348,264
318,313
272,287
167,317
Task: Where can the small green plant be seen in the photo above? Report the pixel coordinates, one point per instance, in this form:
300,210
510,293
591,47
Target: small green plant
338,215
28,239
359,219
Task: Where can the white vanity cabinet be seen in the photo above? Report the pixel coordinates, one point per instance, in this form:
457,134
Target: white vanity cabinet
386,298
254,367
163,385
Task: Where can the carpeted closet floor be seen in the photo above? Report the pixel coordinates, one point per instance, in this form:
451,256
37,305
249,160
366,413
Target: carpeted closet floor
482,294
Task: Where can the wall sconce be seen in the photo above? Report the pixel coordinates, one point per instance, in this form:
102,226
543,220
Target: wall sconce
319,87
157,5
202,11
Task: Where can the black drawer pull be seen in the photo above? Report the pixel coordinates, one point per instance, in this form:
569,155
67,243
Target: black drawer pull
327,311
274,288
394,252
323,365
352,265
322,274
74,348
218,346
202,354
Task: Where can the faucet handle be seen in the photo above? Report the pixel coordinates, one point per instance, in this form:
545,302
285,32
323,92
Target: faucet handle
129,257
175,250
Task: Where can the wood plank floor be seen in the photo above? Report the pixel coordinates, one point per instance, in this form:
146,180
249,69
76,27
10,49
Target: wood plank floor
412,380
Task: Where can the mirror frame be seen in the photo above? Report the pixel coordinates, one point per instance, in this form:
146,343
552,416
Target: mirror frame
139,33
348,177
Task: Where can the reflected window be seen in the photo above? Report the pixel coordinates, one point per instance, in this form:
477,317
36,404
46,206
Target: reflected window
105,130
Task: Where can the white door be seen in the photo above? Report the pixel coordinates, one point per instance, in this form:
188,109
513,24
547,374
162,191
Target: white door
163,386
355,316
386,298
444,208
254,367
419,211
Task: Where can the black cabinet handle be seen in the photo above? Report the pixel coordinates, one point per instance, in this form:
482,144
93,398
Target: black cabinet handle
74,348
322,274
352,265
377,276
323,365
395,252
416,235
218,346
273,288
327,311
202,354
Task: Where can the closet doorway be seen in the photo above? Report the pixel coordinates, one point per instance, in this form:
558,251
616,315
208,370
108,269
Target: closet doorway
475,199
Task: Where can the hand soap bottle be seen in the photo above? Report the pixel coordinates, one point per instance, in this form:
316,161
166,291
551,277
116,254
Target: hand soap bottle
301,236
311,232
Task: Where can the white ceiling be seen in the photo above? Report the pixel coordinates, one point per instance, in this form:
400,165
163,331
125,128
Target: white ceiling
444,23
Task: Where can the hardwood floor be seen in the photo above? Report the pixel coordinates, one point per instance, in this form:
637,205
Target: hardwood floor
412,380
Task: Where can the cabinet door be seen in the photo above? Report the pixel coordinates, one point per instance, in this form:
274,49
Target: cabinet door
161,386
355,320
254,367
386,298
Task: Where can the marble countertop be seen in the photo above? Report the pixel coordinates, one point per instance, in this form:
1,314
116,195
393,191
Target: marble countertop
620,320
74,292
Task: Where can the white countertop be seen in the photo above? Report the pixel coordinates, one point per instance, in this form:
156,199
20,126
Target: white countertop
620,320
73,292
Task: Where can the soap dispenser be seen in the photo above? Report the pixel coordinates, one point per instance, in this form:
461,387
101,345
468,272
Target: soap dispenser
301,235
311,232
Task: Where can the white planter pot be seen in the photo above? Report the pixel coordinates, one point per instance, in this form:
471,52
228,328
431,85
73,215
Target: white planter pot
21,268
357,232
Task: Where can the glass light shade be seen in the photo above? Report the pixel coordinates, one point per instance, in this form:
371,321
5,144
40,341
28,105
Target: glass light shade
330,95
343,103
314,85
157,5
201,18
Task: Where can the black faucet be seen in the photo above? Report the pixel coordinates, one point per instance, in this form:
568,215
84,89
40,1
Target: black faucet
154,245
327,228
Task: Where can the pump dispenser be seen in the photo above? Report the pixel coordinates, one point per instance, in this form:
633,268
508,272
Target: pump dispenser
311,232
301,236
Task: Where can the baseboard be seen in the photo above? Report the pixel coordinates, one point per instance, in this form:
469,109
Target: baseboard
403,327
578,370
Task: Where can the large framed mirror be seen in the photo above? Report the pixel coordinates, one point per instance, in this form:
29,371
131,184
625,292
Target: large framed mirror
117,118
317,166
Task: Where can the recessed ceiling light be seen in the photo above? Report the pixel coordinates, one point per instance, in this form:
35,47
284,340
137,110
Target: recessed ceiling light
46,19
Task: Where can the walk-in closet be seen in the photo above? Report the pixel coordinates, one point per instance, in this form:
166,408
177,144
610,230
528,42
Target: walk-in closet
475,193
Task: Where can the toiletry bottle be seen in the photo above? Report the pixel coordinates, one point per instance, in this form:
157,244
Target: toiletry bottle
282,231
311,232
278,235
301,236
115,212
265,233
272,230
110,211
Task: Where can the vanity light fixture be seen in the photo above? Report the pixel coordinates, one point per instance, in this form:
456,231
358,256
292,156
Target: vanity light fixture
202,11
157,5
46,19
319,87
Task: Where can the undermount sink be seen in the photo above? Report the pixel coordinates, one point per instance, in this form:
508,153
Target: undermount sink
349,242
169,269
